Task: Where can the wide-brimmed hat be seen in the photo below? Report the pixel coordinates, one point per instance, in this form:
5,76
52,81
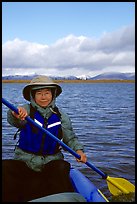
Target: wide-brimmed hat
40,82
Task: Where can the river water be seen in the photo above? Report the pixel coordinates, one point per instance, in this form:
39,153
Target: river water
103,118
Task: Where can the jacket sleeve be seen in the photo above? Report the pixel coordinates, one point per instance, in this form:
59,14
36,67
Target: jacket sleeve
69,137
13,121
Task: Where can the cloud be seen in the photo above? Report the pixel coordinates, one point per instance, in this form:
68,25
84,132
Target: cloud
72,54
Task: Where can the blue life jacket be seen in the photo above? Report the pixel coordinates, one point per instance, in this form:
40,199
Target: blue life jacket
33,140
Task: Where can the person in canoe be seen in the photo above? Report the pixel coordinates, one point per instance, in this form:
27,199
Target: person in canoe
39,168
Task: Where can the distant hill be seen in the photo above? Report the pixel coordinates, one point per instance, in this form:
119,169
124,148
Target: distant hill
29,77
17,77
110,75
115,75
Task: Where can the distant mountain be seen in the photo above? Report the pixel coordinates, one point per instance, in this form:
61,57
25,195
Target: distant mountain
18,77
115,75
29,77
67,77
107,75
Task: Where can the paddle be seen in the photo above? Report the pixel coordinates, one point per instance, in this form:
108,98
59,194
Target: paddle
116,185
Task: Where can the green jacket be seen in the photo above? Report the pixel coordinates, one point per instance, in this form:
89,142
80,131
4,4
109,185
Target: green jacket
69,138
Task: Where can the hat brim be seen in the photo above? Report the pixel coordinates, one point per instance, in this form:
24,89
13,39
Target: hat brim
28,88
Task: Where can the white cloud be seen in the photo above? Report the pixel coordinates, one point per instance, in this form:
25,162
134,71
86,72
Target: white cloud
72,55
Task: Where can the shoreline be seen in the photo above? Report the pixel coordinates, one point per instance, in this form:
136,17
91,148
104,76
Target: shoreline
74,81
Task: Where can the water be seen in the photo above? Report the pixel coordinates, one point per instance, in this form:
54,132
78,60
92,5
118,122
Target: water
103,117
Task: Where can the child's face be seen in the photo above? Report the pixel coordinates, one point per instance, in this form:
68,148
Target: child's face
43,97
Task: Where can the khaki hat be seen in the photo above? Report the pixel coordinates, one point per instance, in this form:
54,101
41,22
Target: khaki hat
40,82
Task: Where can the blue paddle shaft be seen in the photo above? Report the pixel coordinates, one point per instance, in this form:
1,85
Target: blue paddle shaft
13,108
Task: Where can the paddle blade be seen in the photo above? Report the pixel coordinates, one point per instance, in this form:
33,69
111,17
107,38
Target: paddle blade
119,186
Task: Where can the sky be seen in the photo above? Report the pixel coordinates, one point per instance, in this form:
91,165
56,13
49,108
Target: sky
68,38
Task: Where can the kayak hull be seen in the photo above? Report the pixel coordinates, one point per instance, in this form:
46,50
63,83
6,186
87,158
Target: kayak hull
85,191
85,187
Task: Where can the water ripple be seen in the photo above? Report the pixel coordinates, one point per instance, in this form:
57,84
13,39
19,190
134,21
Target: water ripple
103,118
